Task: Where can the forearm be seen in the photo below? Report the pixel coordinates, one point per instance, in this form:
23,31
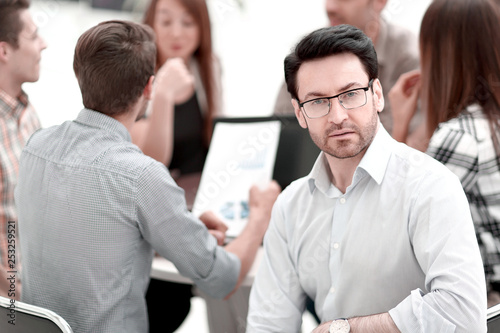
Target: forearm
158,138
381,322
419,139
400,130
378,323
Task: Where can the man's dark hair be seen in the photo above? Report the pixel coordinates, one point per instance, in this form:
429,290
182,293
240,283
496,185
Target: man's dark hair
113,63
325,42
10,21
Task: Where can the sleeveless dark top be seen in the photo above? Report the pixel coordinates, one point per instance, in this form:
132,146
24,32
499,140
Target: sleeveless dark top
189,150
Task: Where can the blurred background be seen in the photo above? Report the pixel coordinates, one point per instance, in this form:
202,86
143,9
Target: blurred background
251,37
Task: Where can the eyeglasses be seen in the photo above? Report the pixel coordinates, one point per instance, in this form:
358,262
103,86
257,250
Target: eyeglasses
351,99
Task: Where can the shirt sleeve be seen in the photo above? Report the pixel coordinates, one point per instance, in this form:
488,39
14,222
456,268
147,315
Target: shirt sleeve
458,151
179,237
277,299
442,234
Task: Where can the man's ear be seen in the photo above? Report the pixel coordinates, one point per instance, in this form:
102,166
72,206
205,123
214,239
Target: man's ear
4,51
148,90
299,114
378,95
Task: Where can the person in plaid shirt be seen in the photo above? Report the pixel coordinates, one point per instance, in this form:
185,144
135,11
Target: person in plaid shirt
460,89
20,51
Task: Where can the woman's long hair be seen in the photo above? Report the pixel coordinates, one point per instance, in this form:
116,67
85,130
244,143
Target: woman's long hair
460,50
203,55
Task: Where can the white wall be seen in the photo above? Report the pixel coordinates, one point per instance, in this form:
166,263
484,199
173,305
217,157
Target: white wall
251,42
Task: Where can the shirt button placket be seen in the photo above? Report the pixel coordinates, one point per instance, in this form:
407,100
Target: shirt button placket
336,236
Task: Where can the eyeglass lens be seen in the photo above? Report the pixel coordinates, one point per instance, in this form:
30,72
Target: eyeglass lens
349,100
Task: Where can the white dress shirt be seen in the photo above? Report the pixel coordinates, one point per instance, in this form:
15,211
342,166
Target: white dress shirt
400,239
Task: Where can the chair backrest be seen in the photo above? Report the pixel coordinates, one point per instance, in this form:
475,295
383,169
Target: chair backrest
22,317
493,318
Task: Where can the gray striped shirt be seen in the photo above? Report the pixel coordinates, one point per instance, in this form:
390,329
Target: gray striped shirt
92,208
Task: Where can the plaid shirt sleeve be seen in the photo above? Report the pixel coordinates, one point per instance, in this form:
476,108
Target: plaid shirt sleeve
464,145
18,120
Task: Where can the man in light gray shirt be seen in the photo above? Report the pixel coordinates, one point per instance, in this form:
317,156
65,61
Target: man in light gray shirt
93,208
379,235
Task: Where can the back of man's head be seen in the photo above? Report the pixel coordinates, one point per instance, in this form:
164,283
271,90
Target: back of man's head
113,63
326,42
10,21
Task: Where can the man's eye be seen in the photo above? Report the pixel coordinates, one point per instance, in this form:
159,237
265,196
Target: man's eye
351,94
319,102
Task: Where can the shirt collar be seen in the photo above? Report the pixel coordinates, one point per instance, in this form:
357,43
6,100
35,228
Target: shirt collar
374,163
100,120
377,155
320,175
13,104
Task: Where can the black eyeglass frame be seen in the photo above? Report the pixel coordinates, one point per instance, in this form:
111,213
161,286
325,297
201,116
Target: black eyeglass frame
365,89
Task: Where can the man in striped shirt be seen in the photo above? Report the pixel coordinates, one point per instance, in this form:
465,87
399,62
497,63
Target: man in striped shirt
20,51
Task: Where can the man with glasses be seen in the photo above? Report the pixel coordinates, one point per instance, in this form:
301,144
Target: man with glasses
379,235
396,47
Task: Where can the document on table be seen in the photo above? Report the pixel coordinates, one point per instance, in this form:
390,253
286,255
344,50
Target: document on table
240,155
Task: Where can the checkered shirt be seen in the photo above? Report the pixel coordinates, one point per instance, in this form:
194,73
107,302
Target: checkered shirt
18,120
92,208
465,146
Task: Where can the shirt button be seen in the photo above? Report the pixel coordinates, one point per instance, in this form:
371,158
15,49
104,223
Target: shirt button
342,200
332,290
336,245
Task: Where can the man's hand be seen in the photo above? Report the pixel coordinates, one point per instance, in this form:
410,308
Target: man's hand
261,203
215,226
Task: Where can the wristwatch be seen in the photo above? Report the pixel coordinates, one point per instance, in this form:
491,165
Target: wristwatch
340,326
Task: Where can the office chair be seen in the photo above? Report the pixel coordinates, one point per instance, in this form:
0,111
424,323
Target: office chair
493,319
29,318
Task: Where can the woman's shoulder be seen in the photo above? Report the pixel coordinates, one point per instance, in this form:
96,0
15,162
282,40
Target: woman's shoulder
471,121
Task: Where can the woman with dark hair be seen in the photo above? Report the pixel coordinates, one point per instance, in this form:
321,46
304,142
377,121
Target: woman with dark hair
177,128
459,90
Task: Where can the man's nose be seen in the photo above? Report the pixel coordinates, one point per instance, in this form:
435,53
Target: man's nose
337,112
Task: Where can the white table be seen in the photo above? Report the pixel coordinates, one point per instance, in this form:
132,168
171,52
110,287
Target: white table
163,269
223,315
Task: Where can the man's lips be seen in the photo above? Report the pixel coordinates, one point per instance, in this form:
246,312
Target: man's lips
340,133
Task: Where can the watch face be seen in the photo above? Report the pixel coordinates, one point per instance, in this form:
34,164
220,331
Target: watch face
340,326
